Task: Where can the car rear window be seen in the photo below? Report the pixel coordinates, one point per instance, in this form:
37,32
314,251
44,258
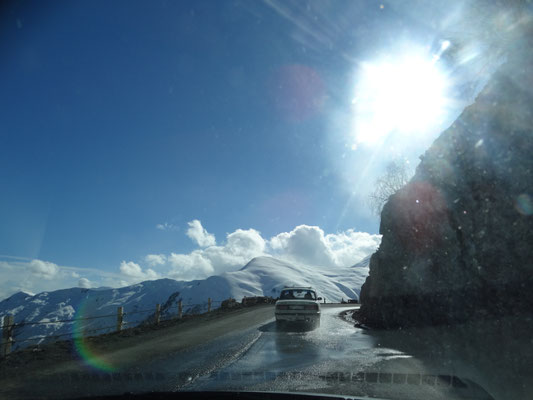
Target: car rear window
298,294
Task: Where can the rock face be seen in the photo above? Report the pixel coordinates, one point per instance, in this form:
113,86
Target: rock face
457,240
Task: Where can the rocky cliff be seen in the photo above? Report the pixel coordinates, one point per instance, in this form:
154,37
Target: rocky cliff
458,239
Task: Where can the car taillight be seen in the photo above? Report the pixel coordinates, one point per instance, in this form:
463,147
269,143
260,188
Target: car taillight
282,307
311,307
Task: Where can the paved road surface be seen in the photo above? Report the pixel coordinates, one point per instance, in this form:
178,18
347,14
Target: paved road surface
246,351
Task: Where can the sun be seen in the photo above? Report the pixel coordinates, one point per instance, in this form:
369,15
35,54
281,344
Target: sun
401,95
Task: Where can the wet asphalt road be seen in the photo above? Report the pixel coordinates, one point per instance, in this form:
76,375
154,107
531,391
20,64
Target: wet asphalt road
335,358
263,348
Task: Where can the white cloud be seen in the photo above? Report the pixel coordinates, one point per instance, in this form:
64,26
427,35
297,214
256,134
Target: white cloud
309,245
134,272
84,283
245,242
166,226
241,246
44,269
303,245
131,269
36,276
200,235
349,247
190,266
153,260
5,266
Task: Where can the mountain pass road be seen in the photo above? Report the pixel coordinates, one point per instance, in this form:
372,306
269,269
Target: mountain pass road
245,350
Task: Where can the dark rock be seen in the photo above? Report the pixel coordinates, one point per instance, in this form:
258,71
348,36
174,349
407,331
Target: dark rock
228,303
457,240
250,301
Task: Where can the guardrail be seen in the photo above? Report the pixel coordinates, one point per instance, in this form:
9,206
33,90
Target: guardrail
9,327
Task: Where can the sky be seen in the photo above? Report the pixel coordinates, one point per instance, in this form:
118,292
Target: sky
180,139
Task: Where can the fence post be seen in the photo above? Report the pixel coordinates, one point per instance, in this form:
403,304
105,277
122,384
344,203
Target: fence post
209,304
157,313
120,318
180,310
7,334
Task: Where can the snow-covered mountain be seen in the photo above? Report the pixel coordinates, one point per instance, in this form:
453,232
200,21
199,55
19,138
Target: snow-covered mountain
78,303
266,276
262,276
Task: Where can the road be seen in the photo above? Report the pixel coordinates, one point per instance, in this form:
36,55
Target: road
263,348
245,351
335,358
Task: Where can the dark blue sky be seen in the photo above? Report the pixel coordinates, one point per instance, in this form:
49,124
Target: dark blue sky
118,116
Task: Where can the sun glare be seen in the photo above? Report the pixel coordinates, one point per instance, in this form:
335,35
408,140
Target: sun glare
401,96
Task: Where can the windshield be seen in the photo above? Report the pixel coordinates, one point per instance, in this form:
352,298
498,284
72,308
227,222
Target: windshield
174,173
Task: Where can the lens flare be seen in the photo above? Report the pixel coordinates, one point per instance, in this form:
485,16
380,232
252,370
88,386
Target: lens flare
84,348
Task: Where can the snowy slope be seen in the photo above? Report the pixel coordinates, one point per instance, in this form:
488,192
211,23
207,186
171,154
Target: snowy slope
266,276
78,303
262,276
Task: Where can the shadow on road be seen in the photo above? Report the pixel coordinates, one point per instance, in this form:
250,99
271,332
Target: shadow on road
495,354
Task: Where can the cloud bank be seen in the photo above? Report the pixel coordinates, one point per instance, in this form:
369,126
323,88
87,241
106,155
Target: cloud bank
35,276
306,245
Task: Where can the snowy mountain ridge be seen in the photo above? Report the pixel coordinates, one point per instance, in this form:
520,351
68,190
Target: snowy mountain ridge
262,276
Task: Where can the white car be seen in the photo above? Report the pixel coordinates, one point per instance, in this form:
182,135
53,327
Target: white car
298,304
